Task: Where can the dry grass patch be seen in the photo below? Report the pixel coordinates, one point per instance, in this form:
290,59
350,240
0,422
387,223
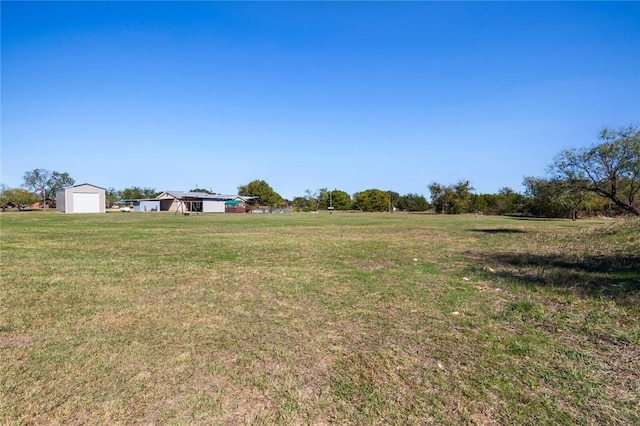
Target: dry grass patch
317,319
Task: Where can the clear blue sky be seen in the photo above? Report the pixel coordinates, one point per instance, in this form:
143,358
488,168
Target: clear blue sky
347,95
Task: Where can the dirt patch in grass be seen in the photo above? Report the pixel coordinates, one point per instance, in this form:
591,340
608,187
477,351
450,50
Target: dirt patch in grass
369,265
15,341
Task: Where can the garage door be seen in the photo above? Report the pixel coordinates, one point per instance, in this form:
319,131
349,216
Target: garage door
86,202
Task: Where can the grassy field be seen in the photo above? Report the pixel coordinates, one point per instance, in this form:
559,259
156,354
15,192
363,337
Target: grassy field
318,319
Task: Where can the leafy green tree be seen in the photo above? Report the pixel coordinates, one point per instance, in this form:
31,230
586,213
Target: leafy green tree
340,200
47,181
60,180
300,204
483,203
371,200
610,169
452,199
557,198
3,189
506,201
36,179
413,203
111,197
513,201
261,189
16,197
570,197
321,200
150,193
542,197
137,193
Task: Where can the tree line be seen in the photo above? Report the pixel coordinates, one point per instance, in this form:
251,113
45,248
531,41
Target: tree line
603,179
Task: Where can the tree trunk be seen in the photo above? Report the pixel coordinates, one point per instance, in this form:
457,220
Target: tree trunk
617,201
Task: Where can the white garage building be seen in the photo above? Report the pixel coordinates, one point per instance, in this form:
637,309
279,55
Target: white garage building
84,198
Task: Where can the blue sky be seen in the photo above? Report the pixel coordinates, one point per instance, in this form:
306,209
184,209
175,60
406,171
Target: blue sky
346,95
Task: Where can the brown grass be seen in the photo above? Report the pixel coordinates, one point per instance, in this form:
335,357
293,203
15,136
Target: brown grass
317,319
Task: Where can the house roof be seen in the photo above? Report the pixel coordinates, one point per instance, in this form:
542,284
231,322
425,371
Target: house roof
178,195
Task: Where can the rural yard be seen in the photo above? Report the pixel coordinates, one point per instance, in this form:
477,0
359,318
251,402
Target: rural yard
348,318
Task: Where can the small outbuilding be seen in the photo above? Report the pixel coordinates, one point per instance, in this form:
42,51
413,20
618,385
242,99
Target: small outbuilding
145,205
84,198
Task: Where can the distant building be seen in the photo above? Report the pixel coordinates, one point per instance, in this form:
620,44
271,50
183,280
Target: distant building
84,198
201,202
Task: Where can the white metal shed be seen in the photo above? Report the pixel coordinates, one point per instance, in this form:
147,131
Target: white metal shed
84,198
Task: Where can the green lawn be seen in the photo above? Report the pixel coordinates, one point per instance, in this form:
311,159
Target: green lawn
315,319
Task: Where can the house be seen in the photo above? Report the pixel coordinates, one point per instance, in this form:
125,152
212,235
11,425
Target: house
185,201
83,198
